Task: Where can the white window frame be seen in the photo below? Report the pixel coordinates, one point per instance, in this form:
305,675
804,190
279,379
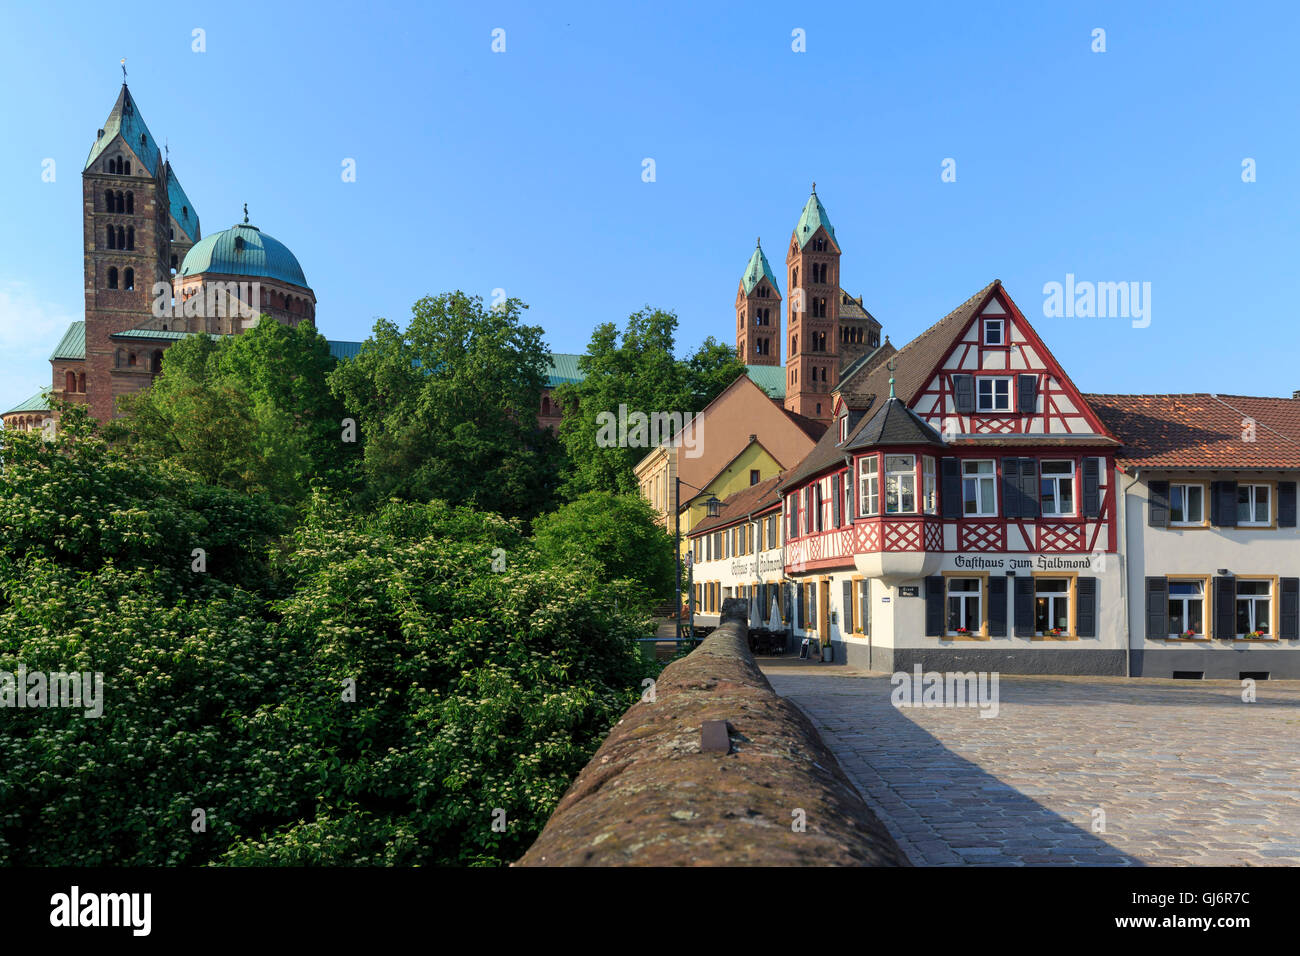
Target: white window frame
1182,487
984,509
1254,505
992,405
844,428
1001,326
1254,601
869,486
1186,601
929,485
971,629
1052,597
1044,478
905,478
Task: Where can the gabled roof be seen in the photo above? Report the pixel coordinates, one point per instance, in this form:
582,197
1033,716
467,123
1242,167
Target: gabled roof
40,402
757,268
893,424
916,361
125,118
1202,431
813,217
72,345
735,507
853,310
182,209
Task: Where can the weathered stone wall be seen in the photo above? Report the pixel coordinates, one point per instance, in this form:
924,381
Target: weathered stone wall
652,797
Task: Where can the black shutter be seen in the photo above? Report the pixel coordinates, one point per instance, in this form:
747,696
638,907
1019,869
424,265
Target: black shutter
1158,504
1011,487
963,390
864,614
998,606
1091,488
1225,607
839,499
1289,610
1027,394
803,618
1024,595
1223,505
934,606
787,599
1085,616
950,491
1286,504
848,608
1157,609
1029,487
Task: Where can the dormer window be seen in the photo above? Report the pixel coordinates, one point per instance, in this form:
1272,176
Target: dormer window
239,243
844,427
994,332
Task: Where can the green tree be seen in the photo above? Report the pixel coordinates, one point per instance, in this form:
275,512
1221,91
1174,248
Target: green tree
251,412
636,370
617,536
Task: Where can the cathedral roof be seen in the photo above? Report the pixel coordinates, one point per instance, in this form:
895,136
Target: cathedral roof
182,209
73,343
757,268
40,402
814,215
244,250
125,118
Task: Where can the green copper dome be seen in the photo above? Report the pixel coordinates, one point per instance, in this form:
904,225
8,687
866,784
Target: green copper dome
244,250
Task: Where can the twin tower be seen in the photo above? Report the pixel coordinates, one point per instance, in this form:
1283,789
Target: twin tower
828,329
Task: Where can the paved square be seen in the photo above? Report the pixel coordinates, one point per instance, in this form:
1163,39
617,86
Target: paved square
1185,773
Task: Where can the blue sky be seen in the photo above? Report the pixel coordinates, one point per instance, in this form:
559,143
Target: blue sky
522,170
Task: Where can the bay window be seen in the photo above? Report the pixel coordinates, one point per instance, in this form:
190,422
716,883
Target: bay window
900,484
869,486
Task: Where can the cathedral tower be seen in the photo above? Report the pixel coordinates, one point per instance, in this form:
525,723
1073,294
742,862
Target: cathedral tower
758,313
812,354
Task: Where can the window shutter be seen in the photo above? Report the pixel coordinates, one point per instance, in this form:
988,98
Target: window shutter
950,491
998,606
1289,609
1225,607
1011,487
1024,597
934,606
803,618
848,608
1157,609
787,599
1223,505
1286,504
838,500
864,612
1029,487
1158,504
849,496
1085,615
1027,394
963,389
1091,487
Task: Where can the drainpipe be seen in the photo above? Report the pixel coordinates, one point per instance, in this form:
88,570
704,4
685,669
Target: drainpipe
1123,578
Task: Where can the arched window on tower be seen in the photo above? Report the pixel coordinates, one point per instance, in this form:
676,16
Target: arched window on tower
118,357
112,238
155,361
128,280
108,201
119,204
121,238
794,278
130,360
126,167
794,345
81,383
173,265
112,277
130,203
70,382
130,237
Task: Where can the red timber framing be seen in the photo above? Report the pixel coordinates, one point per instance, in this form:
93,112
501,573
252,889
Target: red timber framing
1060,416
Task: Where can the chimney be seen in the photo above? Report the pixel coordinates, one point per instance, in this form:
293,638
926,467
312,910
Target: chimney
1295,396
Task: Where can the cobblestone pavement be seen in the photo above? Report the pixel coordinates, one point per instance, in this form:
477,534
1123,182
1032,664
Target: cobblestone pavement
1184,773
